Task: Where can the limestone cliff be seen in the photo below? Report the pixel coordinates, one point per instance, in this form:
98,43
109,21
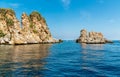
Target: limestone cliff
33,29
92,38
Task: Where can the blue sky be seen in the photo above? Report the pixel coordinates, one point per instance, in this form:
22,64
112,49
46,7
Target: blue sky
66,18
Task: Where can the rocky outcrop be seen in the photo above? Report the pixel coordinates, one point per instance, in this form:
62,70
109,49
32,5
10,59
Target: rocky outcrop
33,29
92,38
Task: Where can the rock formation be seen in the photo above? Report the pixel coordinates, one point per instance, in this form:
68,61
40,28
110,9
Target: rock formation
92,38
33,29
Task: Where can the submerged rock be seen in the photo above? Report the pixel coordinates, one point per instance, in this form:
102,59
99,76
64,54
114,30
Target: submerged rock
34,28
92,38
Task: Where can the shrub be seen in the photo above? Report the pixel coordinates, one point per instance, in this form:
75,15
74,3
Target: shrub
11,11
35,14
3,11
31,25
35,31
9,22
47,37
1,18
2,34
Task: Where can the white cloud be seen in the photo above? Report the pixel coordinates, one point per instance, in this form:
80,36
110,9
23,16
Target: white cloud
66,3
9,5
15,5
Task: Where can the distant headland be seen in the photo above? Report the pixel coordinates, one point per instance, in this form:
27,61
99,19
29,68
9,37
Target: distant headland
33,28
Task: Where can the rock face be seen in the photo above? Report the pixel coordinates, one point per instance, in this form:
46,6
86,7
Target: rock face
92,38
32,30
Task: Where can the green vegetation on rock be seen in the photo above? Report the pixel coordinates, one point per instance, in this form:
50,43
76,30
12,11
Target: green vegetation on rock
35,31
3,11
1,18
35,14
47,37
2,34
31,25
9,22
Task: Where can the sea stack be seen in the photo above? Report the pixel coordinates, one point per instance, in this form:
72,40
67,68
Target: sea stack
33,28
92,38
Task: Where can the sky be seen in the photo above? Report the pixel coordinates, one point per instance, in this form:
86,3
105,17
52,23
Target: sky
65,18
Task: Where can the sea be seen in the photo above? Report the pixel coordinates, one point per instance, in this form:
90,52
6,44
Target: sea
66,59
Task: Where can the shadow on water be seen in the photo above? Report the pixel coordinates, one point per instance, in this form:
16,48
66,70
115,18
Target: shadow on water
93,46
92,52
22,60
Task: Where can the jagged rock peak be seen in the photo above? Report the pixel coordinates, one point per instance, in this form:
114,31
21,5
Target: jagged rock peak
34,28
25,20
36,15
6,11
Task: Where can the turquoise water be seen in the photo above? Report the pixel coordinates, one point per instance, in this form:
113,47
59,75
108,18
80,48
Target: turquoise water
67,59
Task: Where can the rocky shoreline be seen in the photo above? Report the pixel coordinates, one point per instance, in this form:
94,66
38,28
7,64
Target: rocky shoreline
32,29
92,38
